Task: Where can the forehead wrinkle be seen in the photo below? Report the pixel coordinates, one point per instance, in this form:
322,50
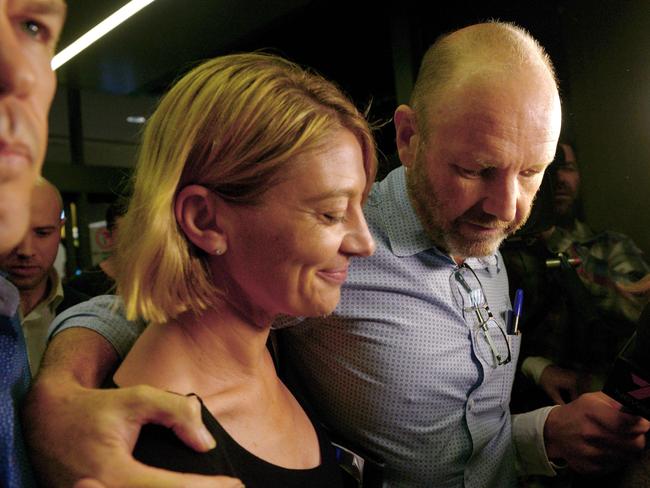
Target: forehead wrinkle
339,192
484,127
485,121
487,116
490,92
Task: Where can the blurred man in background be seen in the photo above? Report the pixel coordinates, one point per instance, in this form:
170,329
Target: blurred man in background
30,267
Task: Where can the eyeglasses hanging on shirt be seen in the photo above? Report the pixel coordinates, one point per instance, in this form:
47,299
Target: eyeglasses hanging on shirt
492,341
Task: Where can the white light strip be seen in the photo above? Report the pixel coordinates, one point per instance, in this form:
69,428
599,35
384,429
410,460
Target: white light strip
136,119
101,29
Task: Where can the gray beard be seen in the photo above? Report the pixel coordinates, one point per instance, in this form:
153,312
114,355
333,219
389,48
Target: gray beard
446,235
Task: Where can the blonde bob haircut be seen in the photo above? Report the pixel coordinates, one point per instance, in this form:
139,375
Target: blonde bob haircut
233,124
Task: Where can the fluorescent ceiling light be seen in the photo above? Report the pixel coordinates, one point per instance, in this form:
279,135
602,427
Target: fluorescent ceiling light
136,119
104,27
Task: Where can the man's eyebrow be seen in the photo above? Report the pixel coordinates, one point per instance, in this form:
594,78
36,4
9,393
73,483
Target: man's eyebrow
48,7
485,164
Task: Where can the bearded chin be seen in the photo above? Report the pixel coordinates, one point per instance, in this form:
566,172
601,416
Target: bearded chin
460,245
463,247
447,234
450,237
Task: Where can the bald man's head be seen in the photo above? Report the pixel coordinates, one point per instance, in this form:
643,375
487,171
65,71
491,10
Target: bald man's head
478,54
29,263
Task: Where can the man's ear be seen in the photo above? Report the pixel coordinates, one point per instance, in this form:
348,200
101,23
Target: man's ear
195,208
407,134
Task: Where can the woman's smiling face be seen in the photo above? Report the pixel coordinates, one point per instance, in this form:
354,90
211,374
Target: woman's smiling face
289,254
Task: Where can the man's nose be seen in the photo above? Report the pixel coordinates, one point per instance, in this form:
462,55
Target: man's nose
560,179
26,248
501,199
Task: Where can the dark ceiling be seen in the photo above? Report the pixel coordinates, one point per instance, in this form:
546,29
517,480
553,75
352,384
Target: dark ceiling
364,45
346,40
141,55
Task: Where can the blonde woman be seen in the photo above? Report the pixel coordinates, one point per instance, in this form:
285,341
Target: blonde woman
247,205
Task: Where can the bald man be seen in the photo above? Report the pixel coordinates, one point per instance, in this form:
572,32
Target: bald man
30,267
416,363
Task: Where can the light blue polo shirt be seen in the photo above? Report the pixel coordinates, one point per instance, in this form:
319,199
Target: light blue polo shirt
396,367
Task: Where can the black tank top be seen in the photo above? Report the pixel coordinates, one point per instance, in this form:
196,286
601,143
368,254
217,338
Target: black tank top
159,447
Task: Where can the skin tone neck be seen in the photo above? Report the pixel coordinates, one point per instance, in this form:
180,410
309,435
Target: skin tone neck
29,299
219,340
108,266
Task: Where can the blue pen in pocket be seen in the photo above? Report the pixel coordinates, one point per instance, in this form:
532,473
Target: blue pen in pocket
516,312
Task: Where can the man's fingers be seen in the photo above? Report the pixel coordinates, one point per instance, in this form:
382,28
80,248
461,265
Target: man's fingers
191,429
602,397
177,412
554,392
614,418
556,397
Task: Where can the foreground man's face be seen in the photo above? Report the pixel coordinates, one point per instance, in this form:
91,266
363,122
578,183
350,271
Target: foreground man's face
29,30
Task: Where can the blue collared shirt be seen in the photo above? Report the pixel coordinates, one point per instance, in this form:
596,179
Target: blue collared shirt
14,381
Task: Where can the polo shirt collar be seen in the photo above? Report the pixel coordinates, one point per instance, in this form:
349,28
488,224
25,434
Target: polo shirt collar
51,301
